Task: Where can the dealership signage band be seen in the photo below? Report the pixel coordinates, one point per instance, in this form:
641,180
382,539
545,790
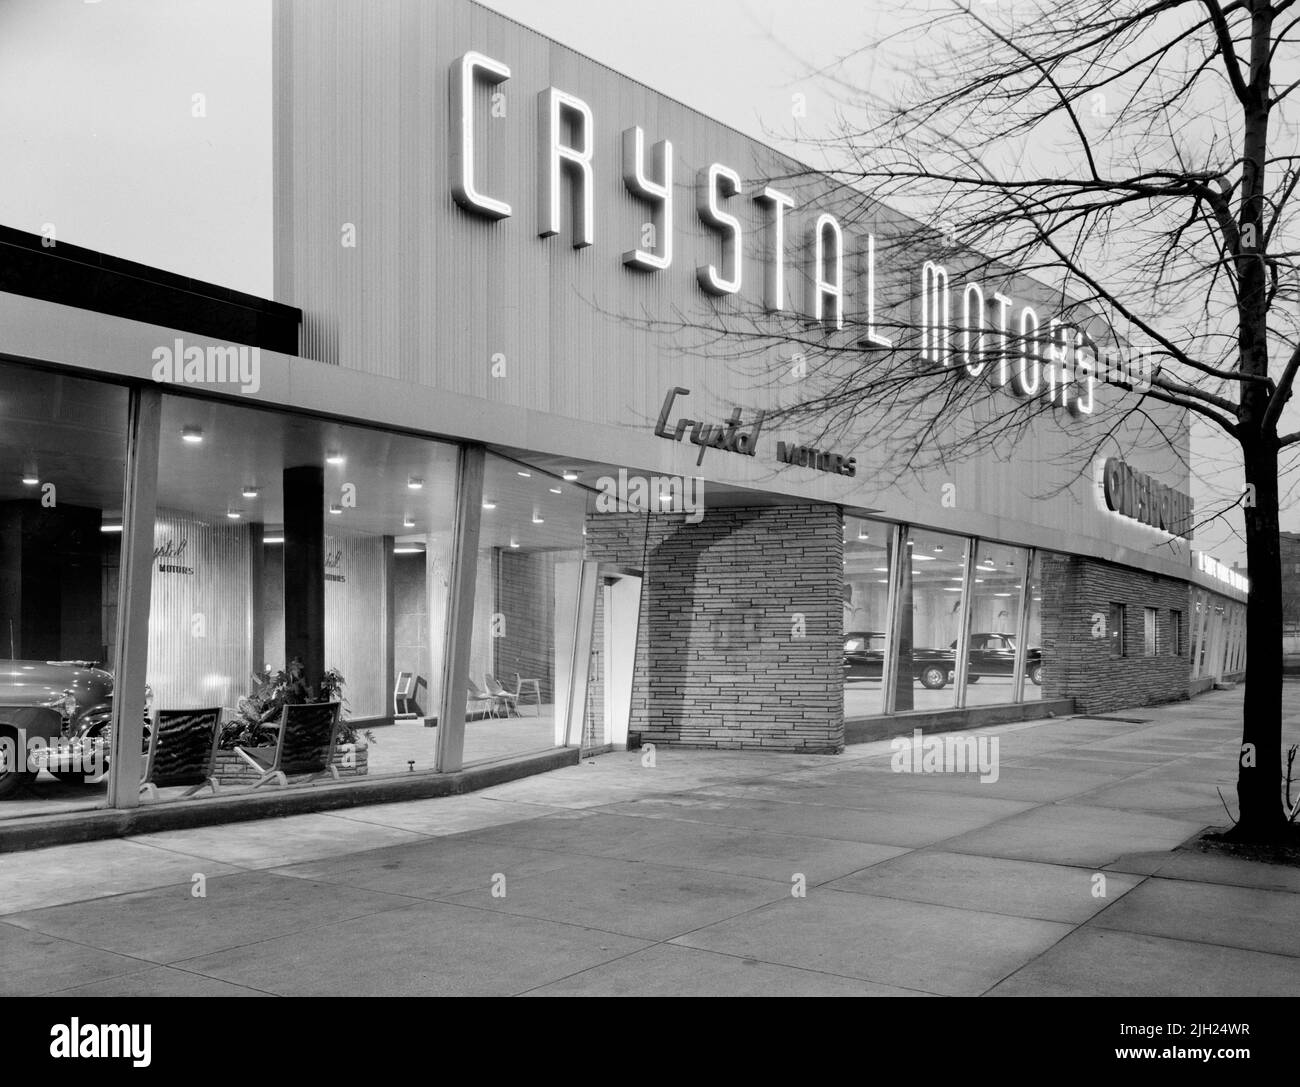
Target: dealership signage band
734,436
1020,352
1135,494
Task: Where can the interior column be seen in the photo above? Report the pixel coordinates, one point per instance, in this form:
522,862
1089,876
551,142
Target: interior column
304,568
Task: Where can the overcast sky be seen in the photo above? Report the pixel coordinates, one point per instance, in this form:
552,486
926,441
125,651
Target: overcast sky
142,127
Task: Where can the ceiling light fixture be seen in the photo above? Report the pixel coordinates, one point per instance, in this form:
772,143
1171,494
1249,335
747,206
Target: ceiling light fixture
192,434
571,476
234,514
334,457
557,490
415,483
525,475
488,504
336,509
408,522
30,479
250,491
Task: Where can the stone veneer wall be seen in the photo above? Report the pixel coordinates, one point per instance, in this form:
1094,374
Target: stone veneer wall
718,662
1079,666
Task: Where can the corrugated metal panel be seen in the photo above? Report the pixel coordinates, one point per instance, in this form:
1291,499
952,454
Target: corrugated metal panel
356,622
199,618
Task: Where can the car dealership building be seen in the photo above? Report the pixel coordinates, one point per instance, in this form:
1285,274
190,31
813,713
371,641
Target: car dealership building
580,420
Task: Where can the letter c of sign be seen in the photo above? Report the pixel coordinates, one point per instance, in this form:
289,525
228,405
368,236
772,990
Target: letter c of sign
1113,484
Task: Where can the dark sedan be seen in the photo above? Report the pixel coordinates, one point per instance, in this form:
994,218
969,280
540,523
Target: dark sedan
991,654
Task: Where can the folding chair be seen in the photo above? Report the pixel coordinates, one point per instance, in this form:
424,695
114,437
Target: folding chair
182,751
308,734
403,694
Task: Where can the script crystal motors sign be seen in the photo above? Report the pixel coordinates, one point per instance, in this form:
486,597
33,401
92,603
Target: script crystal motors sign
1135,494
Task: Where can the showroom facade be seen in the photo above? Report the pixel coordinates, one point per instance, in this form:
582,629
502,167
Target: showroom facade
526,431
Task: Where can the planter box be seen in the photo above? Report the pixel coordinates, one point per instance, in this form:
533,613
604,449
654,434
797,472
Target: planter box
350,760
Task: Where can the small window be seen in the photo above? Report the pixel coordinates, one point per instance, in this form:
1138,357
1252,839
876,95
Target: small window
1176,632
1150,625
1115,628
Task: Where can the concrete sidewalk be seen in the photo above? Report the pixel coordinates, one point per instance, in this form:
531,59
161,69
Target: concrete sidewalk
616,878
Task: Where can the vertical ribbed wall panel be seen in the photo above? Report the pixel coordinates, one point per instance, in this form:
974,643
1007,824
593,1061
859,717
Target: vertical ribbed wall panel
199,649
355,620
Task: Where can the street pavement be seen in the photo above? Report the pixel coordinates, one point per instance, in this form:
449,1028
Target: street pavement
708,872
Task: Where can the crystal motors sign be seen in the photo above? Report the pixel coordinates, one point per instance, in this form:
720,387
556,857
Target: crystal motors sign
1029,357
1137,495
1207,564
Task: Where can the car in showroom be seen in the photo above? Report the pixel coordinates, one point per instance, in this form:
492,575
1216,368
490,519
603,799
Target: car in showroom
864,658
67,705
991,654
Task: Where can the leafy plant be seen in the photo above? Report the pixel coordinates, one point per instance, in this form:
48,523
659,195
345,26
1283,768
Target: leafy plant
261,708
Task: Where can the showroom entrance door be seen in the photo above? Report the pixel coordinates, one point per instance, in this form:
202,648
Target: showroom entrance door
598,692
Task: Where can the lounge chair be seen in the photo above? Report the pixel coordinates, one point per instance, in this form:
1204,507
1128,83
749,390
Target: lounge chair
182,751
502,696
305,746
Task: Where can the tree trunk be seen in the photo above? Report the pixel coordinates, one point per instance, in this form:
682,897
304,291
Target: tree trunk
1259,776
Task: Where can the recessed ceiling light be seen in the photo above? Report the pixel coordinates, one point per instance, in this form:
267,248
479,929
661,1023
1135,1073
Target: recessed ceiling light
415,483
250,491
192,434
336,509
334,457
571,476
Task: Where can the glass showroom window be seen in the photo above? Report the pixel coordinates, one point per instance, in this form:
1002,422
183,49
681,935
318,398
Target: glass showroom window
299,560
62,458
997,595
868,546
931,582
1115,629
1036,653
525,610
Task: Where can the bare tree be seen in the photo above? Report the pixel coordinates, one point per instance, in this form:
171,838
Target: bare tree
1136,156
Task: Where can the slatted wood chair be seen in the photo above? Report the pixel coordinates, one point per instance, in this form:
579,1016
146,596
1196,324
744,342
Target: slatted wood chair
305,746
182,751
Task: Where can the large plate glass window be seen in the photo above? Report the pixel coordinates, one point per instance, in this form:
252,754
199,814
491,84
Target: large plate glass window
997,593
62,458
867,551
930,600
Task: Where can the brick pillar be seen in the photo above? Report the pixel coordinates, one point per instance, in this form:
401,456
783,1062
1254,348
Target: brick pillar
741,636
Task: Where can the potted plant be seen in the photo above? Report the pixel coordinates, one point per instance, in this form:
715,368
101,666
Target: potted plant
254,727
